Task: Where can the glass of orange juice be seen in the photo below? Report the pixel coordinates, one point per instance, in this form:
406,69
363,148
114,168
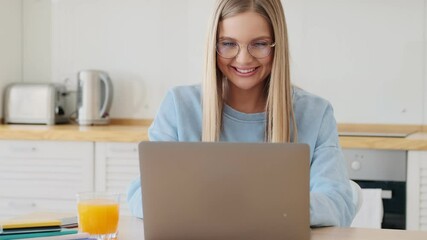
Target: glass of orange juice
98,214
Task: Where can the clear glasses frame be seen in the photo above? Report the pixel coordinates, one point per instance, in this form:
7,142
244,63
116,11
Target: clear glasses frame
230,49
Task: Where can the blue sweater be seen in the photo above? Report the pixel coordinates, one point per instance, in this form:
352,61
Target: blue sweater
180,119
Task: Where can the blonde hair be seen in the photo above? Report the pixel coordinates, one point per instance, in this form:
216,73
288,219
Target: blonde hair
280,114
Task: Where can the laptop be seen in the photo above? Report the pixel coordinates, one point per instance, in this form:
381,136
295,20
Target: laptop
224,190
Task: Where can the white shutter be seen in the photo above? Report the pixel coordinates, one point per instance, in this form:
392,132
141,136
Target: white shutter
423,194
117,165
43,175
416,198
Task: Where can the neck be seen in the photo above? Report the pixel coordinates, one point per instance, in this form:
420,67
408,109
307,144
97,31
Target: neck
246,101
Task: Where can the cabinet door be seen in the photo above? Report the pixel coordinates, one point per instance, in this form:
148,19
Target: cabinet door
43,175
417,191
116,165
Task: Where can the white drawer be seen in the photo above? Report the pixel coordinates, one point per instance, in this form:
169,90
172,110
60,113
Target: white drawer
122,150
45,169
44,149
10,207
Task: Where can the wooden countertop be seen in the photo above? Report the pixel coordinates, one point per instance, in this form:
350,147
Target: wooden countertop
380,136
416,142
366,136
68,132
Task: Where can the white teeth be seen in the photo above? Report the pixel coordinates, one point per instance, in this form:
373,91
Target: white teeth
245,70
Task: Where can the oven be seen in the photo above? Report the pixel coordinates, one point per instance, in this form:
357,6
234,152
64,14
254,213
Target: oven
385,169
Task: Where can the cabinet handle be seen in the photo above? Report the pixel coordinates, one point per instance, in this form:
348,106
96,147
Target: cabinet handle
24,149
123,150
386,194
22,204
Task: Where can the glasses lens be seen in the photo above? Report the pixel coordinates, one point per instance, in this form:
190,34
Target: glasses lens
227,49
260,49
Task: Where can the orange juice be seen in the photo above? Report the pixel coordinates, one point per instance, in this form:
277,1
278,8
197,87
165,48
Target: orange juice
98,216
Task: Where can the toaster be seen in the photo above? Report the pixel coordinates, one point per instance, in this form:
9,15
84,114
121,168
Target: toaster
34,103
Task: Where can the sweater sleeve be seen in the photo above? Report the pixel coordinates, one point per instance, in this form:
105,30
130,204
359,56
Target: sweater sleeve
330,191
163,128
134,198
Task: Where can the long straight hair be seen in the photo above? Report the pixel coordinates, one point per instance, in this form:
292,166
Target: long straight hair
279,108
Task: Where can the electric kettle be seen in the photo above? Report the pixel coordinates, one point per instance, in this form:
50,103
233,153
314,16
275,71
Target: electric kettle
94,97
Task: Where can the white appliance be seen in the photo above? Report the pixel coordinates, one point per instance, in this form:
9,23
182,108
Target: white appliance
94,97
385,170
35,103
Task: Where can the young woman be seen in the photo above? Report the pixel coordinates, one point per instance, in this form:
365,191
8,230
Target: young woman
247,96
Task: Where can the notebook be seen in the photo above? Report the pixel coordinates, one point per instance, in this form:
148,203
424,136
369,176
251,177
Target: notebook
225,190
38,234
28,223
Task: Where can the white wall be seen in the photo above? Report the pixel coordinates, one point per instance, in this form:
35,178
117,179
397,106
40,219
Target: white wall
10,43
425,65
25,42
146,47
366,57
36,30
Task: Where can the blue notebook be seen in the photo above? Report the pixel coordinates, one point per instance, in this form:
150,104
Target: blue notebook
29,230
40,234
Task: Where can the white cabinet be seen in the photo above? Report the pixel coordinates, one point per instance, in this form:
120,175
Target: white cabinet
116,165
417,191
43,175
46,175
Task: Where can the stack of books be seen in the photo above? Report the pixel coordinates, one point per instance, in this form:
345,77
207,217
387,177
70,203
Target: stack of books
39,229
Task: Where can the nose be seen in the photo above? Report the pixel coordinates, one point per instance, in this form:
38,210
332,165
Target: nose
244,56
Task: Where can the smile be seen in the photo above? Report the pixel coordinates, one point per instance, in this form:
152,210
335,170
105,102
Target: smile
245,70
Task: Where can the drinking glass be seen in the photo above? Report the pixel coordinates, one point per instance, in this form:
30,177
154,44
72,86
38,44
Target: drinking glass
98,214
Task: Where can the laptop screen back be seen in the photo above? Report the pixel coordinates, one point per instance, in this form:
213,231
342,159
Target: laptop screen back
225,190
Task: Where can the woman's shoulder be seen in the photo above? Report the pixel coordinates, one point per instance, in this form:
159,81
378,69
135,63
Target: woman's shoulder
186,92
304,99
315,119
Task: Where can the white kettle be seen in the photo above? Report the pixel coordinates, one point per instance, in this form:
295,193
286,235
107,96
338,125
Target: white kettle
94,97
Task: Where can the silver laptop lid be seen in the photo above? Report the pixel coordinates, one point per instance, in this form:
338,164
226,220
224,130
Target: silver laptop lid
225,190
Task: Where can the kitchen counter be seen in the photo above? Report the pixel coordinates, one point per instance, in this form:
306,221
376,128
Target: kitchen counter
69,132
415,142
386,137
367,136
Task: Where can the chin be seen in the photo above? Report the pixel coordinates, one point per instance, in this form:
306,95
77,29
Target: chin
245,84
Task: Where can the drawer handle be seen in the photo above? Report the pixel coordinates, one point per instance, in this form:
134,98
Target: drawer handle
22,204
386,194
24,149
123,150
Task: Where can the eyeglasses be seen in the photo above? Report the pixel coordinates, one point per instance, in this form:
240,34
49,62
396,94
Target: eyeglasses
257,49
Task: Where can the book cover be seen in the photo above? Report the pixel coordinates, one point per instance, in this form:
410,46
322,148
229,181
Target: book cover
35,235
29,230
26,223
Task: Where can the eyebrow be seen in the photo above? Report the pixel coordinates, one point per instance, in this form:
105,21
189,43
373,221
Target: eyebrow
255,39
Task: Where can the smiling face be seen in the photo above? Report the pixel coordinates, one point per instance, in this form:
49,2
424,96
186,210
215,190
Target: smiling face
245,72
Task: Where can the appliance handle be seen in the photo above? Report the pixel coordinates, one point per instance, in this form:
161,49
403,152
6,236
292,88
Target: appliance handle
108,94
386,194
